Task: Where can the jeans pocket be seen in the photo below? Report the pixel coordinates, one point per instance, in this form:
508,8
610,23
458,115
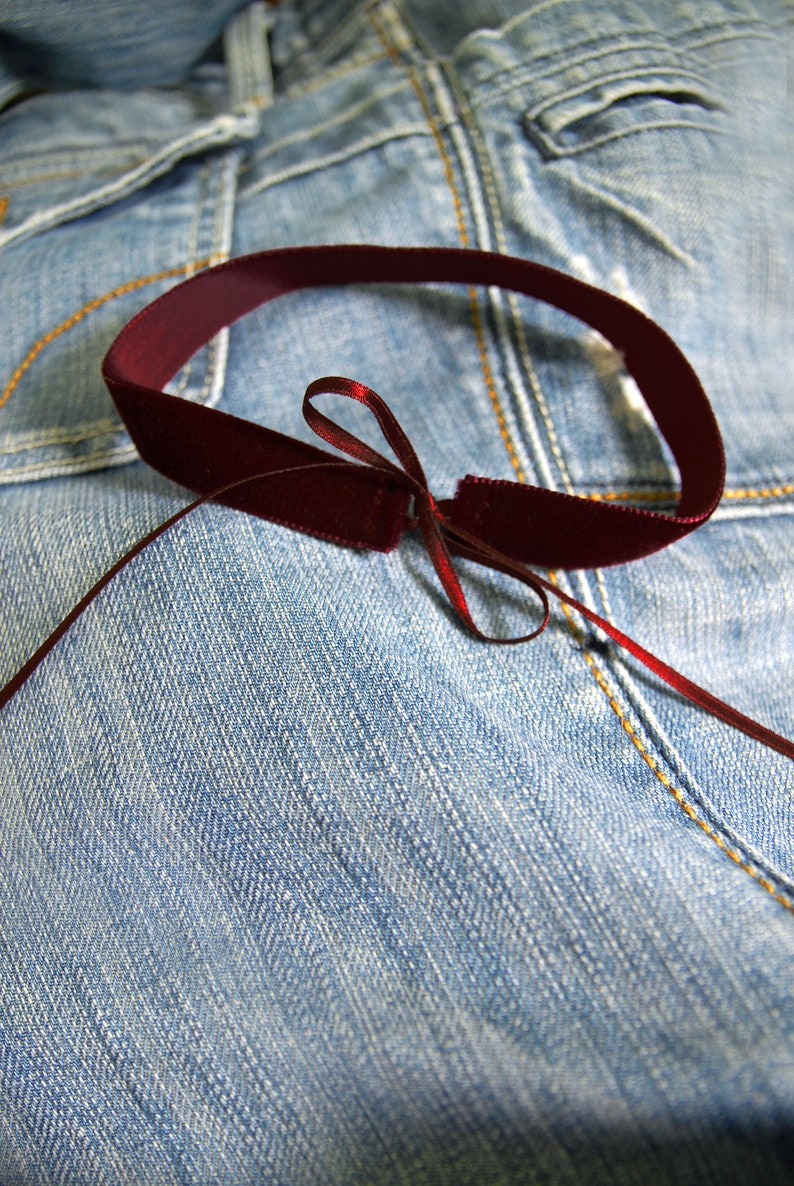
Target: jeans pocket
621,104
106,199
73,287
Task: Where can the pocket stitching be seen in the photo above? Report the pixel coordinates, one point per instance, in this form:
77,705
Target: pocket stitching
686,807
636,77
662,57
552,149
90,307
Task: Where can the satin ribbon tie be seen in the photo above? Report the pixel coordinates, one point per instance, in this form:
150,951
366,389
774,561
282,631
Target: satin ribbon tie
440,537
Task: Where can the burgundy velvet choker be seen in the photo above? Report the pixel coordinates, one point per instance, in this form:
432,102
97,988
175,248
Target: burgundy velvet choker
368,502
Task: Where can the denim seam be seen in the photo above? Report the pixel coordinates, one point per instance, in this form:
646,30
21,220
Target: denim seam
216,253
298,90
638,74
306,135
772,492
220,132
628,213
522,76
220,244
463,234
553,148
192,254
212,360
76,162
493,201
303,168
672,496
488,231
523,346
739,31
61,466
215,355
62,174
394,56
653,765
629,44
91,307
334,35
60,436
606,602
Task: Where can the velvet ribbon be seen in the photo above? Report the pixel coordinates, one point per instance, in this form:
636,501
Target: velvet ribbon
368,502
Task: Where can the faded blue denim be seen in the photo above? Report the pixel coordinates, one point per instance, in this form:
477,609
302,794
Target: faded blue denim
300,883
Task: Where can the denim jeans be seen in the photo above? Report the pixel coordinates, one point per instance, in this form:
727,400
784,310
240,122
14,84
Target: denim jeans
301,883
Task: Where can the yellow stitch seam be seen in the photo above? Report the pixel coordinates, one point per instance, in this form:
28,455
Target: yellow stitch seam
523,345
632,495
671,495
300,89
613,495
55,175
678,795
62,174
74,463
439,142
463,235
771,492
491,386
187,369
394,58
90,307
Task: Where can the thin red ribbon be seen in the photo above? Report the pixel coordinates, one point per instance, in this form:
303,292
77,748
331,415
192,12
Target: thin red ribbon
500,524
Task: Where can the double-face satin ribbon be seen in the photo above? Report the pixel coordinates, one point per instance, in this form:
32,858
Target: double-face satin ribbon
369,502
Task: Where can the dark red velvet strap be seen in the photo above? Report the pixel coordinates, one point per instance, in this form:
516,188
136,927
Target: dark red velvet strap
499,524
203,448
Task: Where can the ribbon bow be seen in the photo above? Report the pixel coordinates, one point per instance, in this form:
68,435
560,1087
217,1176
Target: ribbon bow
441,538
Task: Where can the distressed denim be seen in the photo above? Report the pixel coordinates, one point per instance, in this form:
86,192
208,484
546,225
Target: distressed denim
300,883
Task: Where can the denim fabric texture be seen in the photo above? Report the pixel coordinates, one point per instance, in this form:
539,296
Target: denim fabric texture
299,882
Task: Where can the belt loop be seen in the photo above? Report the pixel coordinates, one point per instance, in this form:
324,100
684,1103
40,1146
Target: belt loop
247,53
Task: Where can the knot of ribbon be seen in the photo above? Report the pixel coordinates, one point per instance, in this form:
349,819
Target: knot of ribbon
503,525
441,537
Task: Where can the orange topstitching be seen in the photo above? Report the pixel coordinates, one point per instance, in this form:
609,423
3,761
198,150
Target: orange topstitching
463,235
91,307
671,495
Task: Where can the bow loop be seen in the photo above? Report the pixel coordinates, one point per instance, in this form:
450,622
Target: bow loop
441,537
410,466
